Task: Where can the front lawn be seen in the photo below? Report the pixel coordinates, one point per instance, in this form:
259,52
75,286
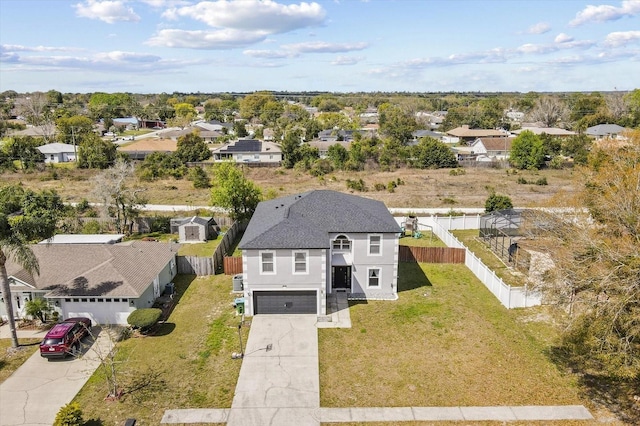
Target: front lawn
11,359
446,342
185,364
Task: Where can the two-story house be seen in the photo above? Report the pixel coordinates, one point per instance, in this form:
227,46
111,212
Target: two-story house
299,248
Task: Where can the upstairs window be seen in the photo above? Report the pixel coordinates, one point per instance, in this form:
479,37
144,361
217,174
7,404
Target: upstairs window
341,243
375,244
299,262
267,262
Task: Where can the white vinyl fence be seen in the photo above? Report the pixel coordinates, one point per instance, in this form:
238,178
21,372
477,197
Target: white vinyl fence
510,297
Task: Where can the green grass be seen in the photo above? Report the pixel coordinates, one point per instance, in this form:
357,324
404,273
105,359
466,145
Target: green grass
205,249
190,353
427,239
11,359
446,342
470,239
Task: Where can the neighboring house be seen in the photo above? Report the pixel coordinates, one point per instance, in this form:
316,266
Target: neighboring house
105,282
551,131
323,146
58,152
419,134
130,123
248,151
465,134
299,248
194,229
140,149
492,148
206,133
605,131
335,135
84,239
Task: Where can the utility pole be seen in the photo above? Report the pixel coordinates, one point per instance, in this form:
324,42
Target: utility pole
73,140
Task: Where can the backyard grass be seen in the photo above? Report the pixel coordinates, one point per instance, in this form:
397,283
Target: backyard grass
190,354
446,342
11,359
469,237
427,239
205,249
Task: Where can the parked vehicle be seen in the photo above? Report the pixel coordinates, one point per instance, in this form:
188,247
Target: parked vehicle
64,338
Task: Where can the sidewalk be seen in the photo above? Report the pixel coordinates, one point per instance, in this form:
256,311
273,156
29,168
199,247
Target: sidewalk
24,334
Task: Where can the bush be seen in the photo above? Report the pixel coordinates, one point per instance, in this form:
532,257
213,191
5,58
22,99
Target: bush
522,181
91,227
145,318
497,202
161,224
69,415
542,181
379,186
356,185
457,172
199,177
391,186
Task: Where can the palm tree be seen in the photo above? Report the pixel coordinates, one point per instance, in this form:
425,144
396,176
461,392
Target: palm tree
13,245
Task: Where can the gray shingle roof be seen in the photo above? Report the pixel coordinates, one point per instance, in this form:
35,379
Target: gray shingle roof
305,220
604,130
114,270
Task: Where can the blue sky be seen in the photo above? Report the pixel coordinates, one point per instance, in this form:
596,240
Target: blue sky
155,46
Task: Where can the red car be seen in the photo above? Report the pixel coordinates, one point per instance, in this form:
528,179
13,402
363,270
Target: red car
64,338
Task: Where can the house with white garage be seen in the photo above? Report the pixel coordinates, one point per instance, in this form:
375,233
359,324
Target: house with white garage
248,151
298,249
105,282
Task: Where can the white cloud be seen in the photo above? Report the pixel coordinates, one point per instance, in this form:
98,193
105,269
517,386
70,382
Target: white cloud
621,38
21,48
323,47
165,3
605,12
563,38
347,60
212,40
268,54
539,28
107,11
253,15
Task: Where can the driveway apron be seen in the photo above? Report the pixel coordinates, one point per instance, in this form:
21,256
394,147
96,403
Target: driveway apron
37,390
279,378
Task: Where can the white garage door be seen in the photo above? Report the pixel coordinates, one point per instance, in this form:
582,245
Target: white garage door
101,310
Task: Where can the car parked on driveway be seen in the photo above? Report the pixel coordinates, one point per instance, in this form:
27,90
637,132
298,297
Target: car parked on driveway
64,338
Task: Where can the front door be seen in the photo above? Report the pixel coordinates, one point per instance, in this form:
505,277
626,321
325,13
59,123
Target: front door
341,277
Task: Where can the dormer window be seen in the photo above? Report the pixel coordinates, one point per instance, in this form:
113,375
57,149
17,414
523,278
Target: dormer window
341,243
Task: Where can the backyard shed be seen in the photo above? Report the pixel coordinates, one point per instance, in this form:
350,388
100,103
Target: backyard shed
195,229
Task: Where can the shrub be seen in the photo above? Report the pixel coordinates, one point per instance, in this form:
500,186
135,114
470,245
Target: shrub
497,202
459,171
161,224
356,185
199,177
145,318
542,181
521,181
38,308
69,415
379,186
91,227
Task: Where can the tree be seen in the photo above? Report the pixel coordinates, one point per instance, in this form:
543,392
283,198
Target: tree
251,106
95,153
527,151
119,200
73,130
497,202
396,123
233,191
199,177
17,231
338,155
549,111
38,112
430,153
191,148
596,262
38,308
291,148
25,149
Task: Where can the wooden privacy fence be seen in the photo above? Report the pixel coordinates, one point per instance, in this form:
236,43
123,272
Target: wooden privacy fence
232,265
228,241
193,265
431,254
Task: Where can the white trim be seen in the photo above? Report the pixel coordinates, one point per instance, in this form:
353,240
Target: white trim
273,262
369,245
377,268
342,250
306,262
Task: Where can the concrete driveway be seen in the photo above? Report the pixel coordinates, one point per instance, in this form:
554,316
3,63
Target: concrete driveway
279,378
37,390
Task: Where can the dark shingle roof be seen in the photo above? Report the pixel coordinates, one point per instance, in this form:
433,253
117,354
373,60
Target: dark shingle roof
244,145
305,220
